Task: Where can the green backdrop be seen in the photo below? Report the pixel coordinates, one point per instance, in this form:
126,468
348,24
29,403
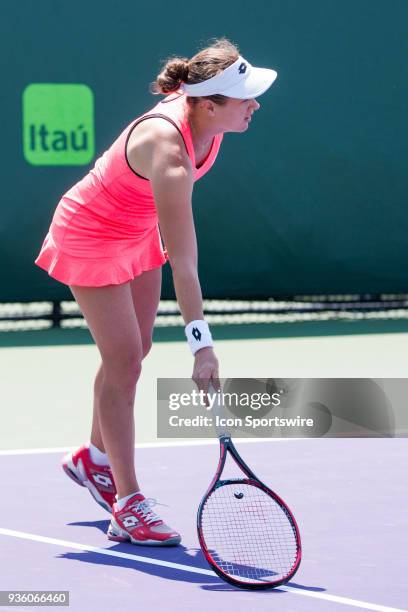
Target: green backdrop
311,199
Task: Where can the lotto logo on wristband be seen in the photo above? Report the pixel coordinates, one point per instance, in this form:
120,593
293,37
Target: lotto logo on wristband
196,334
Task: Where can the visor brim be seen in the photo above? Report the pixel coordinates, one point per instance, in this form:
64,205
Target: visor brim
258,81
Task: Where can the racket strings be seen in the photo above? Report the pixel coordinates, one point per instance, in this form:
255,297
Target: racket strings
249,535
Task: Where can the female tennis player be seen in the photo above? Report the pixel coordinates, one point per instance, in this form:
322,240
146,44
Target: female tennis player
104,243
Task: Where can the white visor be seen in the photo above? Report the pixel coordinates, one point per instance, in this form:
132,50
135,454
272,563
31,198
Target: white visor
240,80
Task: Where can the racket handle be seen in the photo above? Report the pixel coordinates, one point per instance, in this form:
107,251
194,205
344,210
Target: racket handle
217,414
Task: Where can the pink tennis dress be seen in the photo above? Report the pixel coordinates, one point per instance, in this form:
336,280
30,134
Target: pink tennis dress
105,228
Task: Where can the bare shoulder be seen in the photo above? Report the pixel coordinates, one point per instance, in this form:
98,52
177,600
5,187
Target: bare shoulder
155,138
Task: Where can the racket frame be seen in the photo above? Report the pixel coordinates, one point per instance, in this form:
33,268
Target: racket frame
226,445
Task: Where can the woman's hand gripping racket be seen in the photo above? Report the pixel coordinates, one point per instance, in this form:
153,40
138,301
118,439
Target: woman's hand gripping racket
246,532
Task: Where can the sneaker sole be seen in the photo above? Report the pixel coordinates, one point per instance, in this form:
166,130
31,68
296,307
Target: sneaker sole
79,476
116,534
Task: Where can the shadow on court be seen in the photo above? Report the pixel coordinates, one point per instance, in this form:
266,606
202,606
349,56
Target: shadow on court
223,586
180,554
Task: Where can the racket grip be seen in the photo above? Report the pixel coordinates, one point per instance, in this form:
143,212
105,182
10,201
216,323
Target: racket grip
217,413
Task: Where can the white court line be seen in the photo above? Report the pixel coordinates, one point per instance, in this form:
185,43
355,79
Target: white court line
66,449
36,451
194,570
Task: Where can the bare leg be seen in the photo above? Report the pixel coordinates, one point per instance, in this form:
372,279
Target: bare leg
96,436
145,290
111,318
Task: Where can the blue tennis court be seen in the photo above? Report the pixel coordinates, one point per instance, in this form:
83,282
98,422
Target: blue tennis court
348,497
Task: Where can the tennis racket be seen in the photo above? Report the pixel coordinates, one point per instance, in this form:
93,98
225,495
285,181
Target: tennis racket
246,531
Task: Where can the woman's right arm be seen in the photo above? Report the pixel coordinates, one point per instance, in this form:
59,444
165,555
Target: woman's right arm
167,165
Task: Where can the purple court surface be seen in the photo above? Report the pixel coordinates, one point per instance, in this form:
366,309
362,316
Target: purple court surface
349,497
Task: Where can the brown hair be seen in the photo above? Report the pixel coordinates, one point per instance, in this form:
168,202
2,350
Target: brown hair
205,64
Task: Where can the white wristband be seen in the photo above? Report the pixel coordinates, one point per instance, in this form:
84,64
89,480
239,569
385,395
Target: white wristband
198,335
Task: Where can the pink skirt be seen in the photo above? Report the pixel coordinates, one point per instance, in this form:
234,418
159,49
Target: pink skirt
112,266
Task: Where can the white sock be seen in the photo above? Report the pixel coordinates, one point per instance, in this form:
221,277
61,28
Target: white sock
121,503
97,456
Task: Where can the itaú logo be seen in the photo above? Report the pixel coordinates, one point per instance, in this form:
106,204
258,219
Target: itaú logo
58,124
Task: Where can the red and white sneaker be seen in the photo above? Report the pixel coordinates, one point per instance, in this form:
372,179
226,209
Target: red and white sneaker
97,478
137,523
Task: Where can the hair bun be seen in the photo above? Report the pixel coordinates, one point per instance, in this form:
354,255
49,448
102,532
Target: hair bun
177,69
